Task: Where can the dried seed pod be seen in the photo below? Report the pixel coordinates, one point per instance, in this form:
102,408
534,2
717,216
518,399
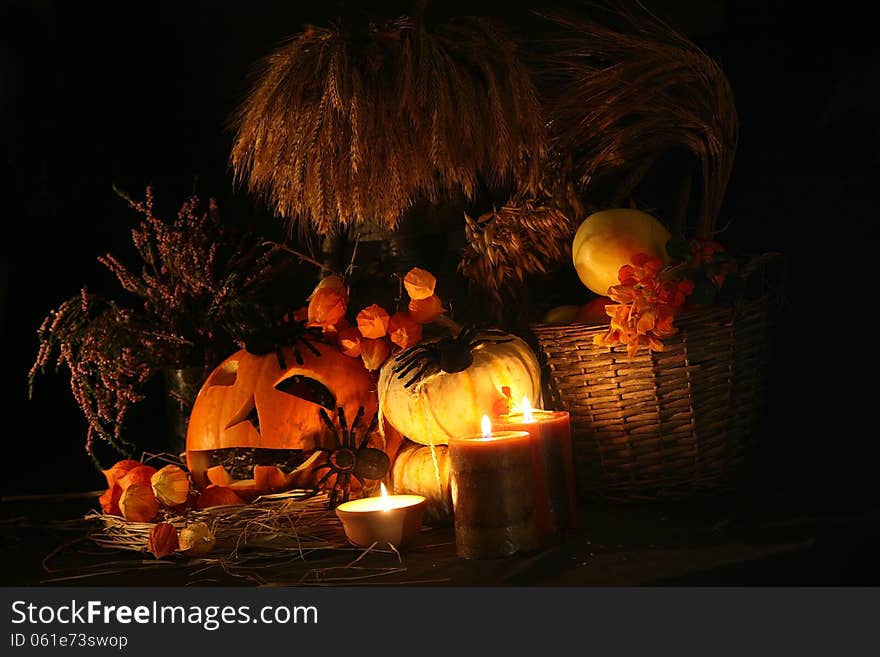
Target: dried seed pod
118,470
327,306
425,311
215,495
372,321
109,501
138,504
350,342
137,475
374,352
170,485
332,282
163,540
197,539
419,283
403,330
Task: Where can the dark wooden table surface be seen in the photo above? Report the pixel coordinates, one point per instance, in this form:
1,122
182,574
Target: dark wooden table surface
784,536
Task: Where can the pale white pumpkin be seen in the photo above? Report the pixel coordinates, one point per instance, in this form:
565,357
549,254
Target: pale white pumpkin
449,404
424,470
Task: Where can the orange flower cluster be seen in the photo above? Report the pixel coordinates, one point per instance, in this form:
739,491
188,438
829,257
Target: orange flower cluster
376,333
647,302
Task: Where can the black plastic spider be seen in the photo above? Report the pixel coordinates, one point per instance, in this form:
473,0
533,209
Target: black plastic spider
348,458
452,354
279,333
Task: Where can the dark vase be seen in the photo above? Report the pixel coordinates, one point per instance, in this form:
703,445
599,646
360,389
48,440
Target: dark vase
181,387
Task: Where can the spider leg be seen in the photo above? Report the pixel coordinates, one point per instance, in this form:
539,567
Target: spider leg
410,356
334,495
281,362
326,476
342,483
370,429
310,346
326,419
414,362
465,335
418,376
356,424
326,464
346,487
346,434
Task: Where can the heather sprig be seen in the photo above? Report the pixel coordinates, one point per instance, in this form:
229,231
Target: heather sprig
110,353
197,279
199,289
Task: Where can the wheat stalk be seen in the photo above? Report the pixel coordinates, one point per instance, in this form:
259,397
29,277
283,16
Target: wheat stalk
354,124
627,89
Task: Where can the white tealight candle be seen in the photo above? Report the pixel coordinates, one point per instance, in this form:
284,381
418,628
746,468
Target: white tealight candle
393,519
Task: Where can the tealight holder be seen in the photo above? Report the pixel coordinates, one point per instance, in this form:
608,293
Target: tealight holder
393,519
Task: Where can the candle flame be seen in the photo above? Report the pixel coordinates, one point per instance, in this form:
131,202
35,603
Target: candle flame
386,501
526,409
486,426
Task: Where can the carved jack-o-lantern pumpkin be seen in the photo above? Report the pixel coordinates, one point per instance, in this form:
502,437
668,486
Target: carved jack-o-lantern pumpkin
442,388
256,402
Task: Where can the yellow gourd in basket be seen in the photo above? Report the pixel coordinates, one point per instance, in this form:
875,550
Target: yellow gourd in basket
607,240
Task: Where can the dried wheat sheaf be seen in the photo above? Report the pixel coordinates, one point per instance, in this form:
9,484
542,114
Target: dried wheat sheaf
627,89
352,125
504,247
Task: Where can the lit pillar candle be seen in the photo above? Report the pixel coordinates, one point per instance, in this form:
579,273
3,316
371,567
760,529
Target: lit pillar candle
493,493
550,432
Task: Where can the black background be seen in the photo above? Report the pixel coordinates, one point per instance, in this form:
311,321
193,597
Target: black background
135,93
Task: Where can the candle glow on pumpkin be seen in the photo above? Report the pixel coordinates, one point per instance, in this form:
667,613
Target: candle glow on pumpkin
486,426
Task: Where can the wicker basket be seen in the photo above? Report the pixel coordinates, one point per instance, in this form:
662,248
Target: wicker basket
675,423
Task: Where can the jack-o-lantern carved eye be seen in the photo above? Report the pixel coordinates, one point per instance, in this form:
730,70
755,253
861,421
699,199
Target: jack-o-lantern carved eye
309,389
225,375
247,413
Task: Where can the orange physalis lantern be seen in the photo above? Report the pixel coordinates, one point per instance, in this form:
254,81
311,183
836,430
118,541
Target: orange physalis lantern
403,330
372,321
327,307
419,283
426,310
374,352
350,341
